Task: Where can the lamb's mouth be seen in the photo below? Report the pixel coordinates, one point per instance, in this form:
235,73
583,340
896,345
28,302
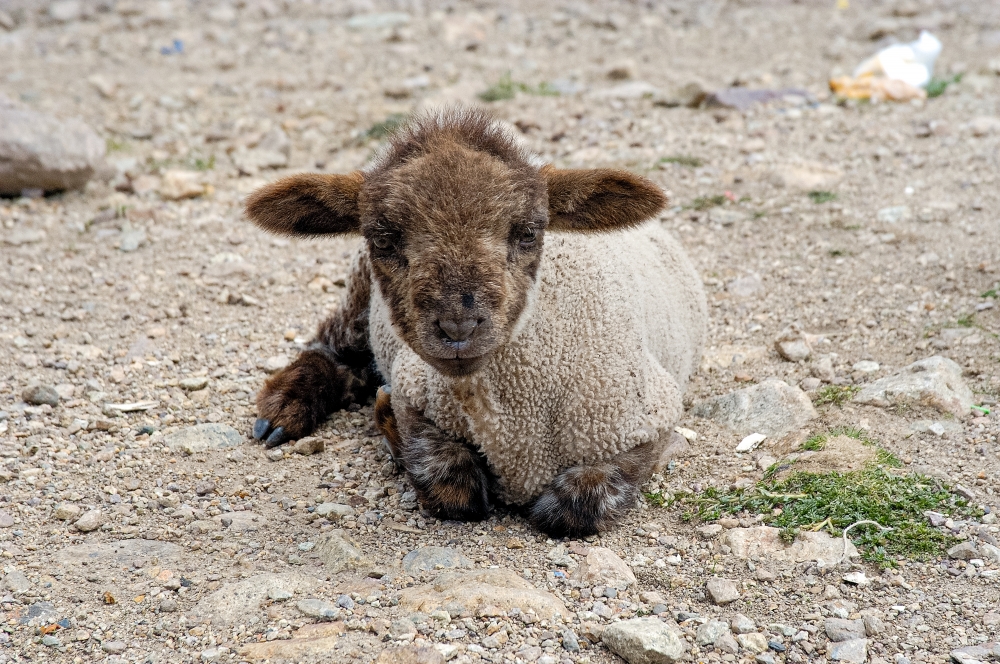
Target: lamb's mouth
458,366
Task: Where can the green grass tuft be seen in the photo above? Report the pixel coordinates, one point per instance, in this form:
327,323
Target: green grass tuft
937,86
967,320
113,144
810,501
507,88
835,394
202,164
683,160
822,196
706,202
814,443
990,293
380,130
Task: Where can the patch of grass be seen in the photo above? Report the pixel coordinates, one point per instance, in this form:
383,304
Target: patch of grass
683,160
810,501
822,196
115,144
837,252
656,498
937,86
814,443
835,394
706,202
967,320
757,214
202,164
507,88
990,293
380,130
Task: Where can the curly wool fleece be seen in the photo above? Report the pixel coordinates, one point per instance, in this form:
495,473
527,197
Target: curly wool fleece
597,364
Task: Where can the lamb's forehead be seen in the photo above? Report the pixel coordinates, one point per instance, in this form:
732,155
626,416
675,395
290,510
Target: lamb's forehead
470,127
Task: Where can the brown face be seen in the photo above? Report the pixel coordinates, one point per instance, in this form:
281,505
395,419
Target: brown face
454,214
455,238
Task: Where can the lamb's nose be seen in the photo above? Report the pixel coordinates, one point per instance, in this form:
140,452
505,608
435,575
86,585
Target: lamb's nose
458,329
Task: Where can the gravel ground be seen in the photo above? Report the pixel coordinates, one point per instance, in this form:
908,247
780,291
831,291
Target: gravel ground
148,293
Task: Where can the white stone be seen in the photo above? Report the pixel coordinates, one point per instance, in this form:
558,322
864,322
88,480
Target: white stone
644,641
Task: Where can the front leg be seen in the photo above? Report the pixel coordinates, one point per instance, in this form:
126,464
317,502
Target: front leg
590,498
451,479
335,371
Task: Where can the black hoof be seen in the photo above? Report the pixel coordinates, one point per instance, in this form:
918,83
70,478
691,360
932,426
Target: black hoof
276,438
260,428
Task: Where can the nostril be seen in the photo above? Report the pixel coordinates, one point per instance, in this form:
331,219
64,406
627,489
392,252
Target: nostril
458,330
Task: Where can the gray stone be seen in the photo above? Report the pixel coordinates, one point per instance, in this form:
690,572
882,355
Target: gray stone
91,520
742,624
601,566
240,602
125,553
570,642
279,594
65,11
838,629
193,383
727,643
935,382
430,558
378,20
853,651
38,395
317,608
823,369
722,591
203,437
66,511
484,592
16,582
793,345
113,647
37,151
765,542
963,551
644,641
334,511
990,553
874,625
772,408
893,215
976,654
742,98
131,239
339,553
168,605
402,628
710,632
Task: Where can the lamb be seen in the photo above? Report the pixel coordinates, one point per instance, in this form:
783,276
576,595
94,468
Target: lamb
527,331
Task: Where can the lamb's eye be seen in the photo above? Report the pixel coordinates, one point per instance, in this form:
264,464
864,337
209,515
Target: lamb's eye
382,242
528,237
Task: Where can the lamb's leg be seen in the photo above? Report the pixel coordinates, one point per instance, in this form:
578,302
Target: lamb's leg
589,498
451,479
336,370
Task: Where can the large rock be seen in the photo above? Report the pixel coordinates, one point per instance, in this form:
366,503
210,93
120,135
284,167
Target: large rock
307,642
603,567
935,381
37,151
839,629
483,591
430,558
339,553
765,543
410,655
124,553
644,641
976,654
239,602
772,408
203,437
852,651
722,591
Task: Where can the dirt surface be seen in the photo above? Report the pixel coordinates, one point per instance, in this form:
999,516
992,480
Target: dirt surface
128,296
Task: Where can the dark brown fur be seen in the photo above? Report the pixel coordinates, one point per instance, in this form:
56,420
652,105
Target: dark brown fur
454,215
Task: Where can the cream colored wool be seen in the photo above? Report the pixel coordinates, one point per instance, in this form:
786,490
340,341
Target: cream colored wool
597,365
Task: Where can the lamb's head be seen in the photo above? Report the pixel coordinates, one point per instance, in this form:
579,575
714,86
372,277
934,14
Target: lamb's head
454,211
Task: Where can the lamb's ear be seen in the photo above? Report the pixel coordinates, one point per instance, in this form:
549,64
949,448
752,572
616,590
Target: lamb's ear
308,204
599,199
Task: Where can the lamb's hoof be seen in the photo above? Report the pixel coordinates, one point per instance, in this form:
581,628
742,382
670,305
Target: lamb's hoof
262,431
461,503
582,501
